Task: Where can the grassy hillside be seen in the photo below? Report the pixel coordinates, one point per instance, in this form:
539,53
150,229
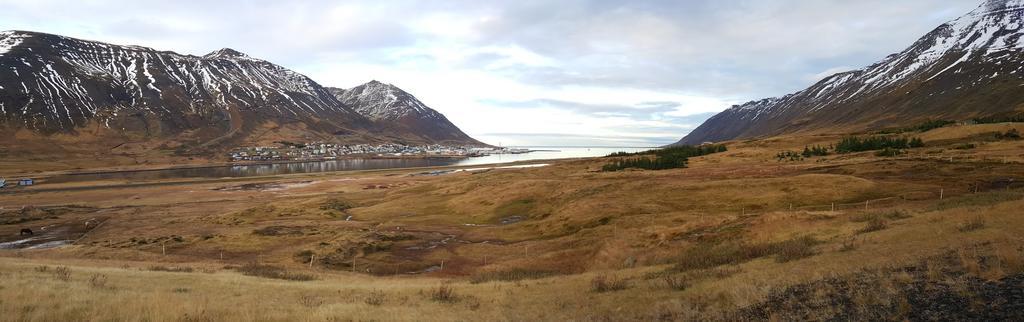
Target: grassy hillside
736,235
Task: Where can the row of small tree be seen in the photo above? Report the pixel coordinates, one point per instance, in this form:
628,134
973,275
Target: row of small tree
922,127
644,163
815,151
858,144
999,119
809,151
666,158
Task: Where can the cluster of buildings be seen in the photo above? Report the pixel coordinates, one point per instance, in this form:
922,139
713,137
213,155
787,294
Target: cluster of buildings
328,151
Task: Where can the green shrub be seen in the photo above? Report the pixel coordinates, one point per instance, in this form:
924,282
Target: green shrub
858,144
789,155
923,127
999,119
812,151
666,158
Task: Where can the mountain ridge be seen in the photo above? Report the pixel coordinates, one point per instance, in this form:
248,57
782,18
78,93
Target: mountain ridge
967,67
394,108
56,85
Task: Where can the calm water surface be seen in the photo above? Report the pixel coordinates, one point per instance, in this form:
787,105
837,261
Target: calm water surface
545,153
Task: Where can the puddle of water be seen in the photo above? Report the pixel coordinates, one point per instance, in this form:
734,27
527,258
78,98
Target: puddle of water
51,244
511,220
426,270
34,243
17,243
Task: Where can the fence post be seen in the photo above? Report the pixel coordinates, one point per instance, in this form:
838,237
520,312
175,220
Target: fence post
311,258
866,204
940,193
442,265
833,207
163,248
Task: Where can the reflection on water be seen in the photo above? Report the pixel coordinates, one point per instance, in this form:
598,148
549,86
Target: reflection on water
338,165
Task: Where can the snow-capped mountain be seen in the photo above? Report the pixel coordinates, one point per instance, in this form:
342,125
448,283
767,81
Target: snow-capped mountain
51,84
391,107
969,67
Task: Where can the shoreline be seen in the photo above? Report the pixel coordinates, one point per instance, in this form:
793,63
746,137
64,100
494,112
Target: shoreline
220,164
289,176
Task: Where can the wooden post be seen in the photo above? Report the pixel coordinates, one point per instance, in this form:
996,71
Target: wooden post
866,204
790,207
222,255
941,191
163,248
833,207
442,265
311,258
353,264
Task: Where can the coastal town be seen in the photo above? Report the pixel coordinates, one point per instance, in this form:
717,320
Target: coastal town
328,151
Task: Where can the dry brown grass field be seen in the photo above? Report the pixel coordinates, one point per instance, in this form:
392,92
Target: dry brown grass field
737,235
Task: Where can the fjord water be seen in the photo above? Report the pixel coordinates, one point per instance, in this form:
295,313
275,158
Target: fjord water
539,153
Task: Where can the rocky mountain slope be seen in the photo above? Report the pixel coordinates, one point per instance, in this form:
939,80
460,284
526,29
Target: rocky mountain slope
107,94
969,67
394,109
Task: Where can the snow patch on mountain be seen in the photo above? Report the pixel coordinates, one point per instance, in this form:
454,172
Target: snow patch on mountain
8,40
985,33
989,36
66,81
380,101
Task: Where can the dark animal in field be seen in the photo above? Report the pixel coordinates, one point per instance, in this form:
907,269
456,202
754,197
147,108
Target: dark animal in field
26,231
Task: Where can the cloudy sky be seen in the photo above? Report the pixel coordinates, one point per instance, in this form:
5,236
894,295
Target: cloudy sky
525,72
